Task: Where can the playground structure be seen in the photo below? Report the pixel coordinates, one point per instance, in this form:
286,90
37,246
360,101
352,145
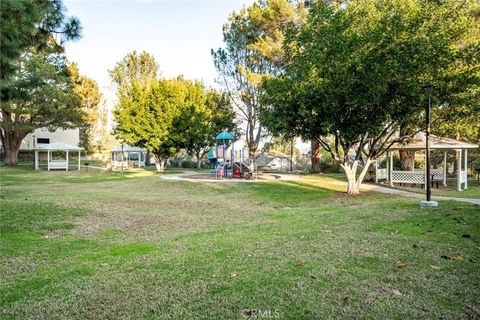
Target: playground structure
229,163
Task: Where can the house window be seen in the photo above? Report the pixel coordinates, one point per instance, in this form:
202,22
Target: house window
43,140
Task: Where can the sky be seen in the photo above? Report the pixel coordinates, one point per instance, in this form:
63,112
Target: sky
179,34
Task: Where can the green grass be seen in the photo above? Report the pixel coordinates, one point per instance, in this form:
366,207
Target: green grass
131,245
473,190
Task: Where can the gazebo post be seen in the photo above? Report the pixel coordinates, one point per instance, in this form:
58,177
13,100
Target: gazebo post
413,160
78,160
376,171
48,160
390,165
459,170
36,160
445,169
466,170
67,161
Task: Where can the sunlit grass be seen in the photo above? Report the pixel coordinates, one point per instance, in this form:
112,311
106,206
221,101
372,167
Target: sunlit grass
132,245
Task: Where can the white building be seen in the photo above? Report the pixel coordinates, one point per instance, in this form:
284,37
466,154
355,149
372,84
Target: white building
42,137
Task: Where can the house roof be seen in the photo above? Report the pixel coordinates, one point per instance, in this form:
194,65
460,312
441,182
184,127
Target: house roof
57,146
127,148
418,143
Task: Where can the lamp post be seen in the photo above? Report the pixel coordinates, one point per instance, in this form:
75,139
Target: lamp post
428,202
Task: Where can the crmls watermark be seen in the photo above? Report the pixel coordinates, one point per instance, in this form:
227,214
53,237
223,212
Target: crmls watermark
260,313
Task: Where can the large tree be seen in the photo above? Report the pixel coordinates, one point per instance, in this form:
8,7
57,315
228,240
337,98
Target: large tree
457,103
89,96
356,70
31,24
203,120
253,48
42,96
134,67
34,87
163,116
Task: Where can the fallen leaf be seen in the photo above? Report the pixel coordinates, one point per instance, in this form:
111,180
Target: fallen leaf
233,274
457,258
302,263
385,288
345,300
257,244
435,267
401,265
396,292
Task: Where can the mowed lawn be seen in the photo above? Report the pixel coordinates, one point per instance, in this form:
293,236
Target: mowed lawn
134,246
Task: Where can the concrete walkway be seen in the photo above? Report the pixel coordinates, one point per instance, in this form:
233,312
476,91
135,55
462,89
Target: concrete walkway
294,177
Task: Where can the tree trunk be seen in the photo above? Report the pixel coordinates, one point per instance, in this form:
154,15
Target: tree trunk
315,157
199,161
11,145
11,156
406,160
406,157
251,155
354,183
159,163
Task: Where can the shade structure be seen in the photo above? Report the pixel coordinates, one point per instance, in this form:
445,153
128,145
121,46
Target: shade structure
63,163
418,176
224,135
126,156
418,142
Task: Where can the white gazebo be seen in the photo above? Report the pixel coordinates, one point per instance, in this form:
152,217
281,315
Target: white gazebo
418,176
52,163
126,156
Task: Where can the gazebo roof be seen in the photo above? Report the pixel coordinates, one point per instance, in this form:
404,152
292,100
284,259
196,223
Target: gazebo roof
127,148
58,146
436,143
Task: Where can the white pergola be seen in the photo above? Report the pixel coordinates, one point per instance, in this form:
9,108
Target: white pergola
56,163
419,175
122,157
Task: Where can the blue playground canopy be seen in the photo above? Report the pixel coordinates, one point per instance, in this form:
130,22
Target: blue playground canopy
224,135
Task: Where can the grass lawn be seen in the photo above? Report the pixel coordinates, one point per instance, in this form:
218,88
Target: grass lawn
473,190
133,246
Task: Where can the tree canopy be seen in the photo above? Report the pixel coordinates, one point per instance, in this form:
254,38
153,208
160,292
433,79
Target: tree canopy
42,97
204,120
35,88
356,72
89,97
32,24
252,49
134,67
